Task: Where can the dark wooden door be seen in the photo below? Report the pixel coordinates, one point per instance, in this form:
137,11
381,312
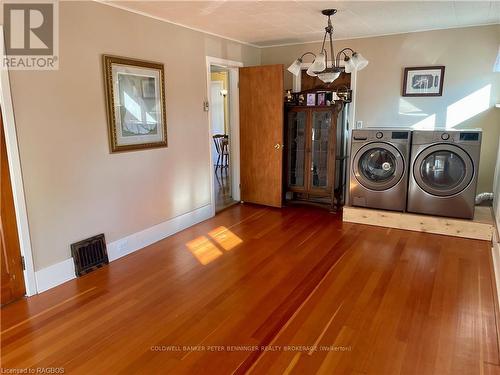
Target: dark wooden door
261,134
12,279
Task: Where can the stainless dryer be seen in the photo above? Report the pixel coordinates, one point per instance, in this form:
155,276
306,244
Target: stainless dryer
444,169
379,168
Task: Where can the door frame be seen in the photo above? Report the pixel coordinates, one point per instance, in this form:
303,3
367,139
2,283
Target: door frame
16,175
234,125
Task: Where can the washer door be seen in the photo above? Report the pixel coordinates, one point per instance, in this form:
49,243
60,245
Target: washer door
378,166
443,170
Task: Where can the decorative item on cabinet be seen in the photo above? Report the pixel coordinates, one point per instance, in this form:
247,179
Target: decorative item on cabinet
289,97
321,98
311,99
318,97
344,93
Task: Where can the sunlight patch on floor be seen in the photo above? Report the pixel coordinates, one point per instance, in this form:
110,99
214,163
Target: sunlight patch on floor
207,249
225,238
203,249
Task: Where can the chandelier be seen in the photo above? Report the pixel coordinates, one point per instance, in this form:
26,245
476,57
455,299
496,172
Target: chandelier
353,61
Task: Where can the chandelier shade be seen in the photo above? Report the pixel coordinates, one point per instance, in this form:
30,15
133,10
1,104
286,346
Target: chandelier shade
349,66
359,61
319,63
310,72
295,67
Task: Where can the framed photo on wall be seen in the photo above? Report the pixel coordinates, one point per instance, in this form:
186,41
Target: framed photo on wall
423,81
135,103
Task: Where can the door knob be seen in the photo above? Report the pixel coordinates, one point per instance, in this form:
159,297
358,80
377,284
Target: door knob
277,146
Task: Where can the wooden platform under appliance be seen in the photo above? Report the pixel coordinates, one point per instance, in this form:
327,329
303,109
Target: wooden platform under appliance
481,227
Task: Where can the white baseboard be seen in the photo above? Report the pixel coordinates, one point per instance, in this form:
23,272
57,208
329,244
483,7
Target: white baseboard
495,252
139,240
61,272
55,275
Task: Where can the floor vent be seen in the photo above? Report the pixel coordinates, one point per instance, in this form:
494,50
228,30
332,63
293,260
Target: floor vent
89,254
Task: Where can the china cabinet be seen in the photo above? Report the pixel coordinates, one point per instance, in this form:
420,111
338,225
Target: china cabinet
310,138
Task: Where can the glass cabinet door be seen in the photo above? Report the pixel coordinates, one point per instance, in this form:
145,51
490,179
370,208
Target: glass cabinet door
296,148
320,134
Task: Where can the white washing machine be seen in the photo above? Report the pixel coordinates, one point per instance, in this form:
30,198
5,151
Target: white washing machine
379,168
444,169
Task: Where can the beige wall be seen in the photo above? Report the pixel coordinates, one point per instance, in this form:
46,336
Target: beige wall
467,53
74,187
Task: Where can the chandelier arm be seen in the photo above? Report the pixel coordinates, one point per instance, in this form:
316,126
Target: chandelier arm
307,53
343,51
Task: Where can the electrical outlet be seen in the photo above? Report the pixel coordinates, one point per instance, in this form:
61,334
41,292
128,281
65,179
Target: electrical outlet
359,124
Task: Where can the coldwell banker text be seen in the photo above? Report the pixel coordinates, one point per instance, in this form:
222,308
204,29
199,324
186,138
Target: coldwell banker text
31,35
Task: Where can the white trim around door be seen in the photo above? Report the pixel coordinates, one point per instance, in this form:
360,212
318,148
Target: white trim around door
16,175
234,125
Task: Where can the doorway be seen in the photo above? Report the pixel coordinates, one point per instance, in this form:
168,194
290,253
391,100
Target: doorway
222,82
220,133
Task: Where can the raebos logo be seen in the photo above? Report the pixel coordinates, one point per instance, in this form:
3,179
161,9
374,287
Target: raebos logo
31,35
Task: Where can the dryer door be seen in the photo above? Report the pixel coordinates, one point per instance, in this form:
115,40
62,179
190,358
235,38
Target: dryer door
378,166
443,170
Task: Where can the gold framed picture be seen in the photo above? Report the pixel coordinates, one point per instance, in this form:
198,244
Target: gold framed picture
135,103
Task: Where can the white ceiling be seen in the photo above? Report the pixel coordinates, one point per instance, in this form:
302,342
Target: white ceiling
267,23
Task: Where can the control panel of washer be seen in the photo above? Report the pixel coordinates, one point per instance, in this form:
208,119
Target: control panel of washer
386,135
451,136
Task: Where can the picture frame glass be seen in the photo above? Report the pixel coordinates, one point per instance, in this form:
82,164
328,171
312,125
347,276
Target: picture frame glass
423,82
137,105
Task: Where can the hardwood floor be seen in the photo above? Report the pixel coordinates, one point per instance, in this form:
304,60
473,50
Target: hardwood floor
223,192
383,301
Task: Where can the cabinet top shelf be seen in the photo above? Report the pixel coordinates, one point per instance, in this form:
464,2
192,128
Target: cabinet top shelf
292,106
310,106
